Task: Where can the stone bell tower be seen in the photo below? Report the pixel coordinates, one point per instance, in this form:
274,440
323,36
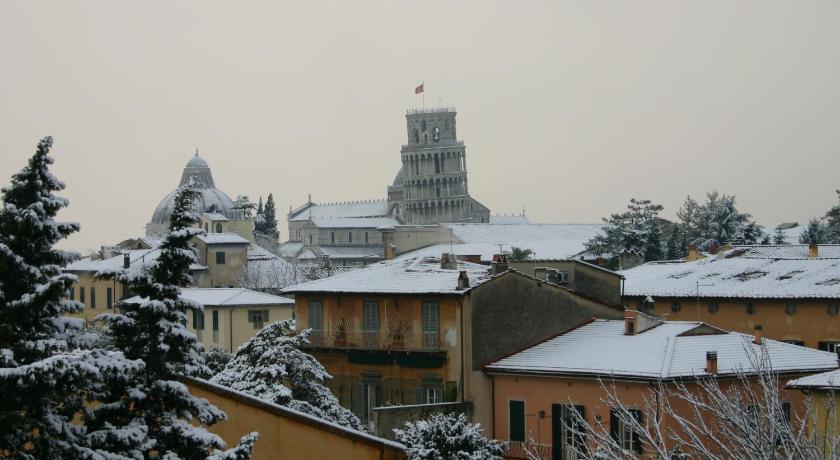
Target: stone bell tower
434,171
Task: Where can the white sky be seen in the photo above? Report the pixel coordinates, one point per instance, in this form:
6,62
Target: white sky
567,108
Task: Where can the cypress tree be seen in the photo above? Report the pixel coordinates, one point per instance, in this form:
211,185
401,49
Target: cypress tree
270,216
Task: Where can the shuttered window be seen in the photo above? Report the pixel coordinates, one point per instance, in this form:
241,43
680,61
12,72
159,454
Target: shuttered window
623,433
258,318
371,317
316,315
198,320
109,298
431,316
92,297
516,420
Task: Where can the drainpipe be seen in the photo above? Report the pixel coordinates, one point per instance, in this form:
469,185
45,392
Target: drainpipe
461,346
493,404
230,329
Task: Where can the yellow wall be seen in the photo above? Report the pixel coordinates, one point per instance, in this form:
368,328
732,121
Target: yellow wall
286,436
86,281
232,272
811,323
234,328
825,421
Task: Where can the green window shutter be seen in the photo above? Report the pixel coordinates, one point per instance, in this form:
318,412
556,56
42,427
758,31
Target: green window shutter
419,397
359,401
614,425
92,297
215,320
195,319
516,420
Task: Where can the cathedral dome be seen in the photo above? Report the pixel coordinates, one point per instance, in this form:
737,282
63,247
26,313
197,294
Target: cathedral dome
209,198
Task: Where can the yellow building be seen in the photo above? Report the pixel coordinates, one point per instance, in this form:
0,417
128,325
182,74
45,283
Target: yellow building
417,331
791,291
231,316
286,434
821,390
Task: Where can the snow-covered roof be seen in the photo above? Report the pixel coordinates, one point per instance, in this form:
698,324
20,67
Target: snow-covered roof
769,272
520,219
225,297
825,380
673,349
421,275
353,252
373,208
136,258
222,238
214,216
547,241
256,252
354,222
289,248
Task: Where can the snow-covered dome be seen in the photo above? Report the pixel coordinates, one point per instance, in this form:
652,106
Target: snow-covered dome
209,198
400,179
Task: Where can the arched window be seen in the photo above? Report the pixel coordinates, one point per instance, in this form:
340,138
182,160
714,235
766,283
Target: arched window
218,228
416,136
423,126
436,134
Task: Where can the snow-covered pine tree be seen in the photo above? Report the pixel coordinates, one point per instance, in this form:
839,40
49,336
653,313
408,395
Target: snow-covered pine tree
216,359
260,207
153,330
272,366
270,217
45,378
244,205
779,236
636,231
448,436
677,246
813,233
717,221
832,223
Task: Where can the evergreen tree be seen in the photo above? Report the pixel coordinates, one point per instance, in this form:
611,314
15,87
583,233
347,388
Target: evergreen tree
152,330
272,366
677,246
813,233
244,205
636,231
717,221
519,254
45,378
448,436
832,224
216,359
269,217
779,236
260,210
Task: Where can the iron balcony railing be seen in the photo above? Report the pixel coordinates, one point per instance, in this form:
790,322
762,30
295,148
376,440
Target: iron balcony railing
376,340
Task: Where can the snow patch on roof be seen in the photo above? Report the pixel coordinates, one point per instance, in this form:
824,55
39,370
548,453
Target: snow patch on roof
373,208
225,297
825,380
222,238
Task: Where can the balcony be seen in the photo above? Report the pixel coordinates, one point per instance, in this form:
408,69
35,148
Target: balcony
398,340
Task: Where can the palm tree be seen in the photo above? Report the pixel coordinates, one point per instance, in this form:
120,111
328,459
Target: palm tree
519,254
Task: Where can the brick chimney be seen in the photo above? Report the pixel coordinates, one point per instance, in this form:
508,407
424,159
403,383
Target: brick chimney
711,362
126,260
813,250
463,280
448,261
757,337
499,264
630,317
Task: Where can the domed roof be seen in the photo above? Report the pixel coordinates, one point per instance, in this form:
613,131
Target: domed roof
209,198
400,179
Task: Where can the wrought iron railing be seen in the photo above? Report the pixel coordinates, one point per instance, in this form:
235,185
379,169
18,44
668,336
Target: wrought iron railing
376,340
516,451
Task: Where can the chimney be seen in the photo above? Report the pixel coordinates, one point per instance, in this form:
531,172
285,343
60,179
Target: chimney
463,280
499,264
813,250
388,240
757,337
630,321
448,261
711,362
126,260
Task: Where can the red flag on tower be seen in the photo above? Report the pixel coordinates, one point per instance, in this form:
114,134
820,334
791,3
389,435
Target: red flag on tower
419,89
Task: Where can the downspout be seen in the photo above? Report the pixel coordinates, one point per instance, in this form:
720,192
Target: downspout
493,404
463,371
230,329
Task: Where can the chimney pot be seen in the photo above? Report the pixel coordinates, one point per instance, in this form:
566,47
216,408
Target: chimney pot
463,280
813,250
757,337
126,260
630,321
711,362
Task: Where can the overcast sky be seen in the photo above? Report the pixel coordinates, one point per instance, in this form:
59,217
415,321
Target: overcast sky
567,108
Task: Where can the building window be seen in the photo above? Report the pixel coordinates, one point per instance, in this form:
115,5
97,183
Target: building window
790,308
92,297
332,237
676,307
310,238
349,237
316,321
82,294
516,420
198,320
750,308
215,326
370,324
220,257
72,292
570,420
366,237
109,298
713,308
432,395
365,398
218,228
431,315
562,277
258,318
831,345
622,430
832,309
